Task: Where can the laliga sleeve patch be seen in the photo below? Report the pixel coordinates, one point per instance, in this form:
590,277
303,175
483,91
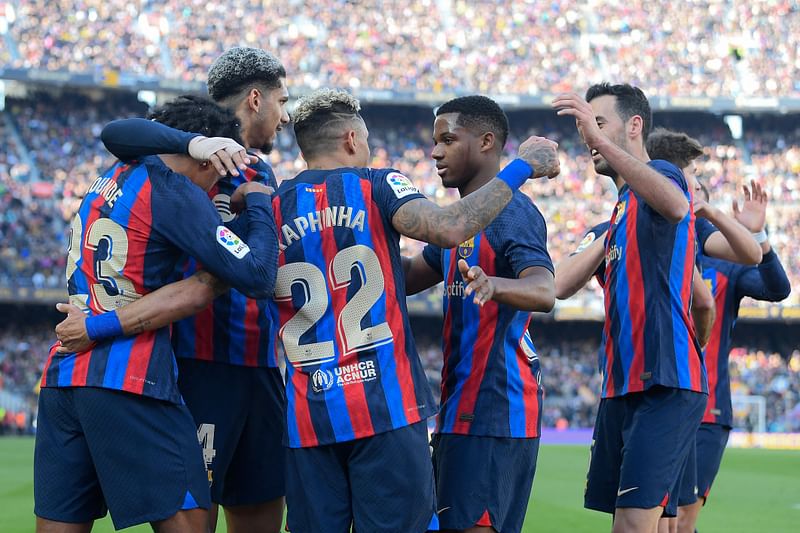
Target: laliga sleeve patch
587,240
231,242
401,185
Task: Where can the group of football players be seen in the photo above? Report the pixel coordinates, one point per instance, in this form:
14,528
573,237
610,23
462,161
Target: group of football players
194,277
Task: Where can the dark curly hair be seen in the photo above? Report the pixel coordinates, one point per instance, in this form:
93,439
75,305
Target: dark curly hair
197,114
478,114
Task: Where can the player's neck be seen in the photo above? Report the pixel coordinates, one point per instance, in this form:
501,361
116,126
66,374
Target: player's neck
482,177
330,162
638,151
186,166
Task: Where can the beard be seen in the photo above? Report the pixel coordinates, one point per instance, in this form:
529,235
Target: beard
265,148
604,169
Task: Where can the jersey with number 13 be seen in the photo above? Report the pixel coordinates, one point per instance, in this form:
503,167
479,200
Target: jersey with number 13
136,222
352,366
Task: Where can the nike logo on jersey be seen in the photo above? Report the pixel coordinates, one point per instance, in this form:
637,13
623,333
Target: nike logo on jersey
620,492
443,509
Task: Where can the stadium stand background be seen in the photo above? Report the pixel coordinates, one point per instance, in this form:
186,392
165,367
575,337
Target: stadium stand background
64,73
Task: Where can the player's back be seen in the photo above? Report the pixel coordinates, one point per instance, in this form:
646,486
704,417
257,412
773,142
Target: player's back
123,245
352,367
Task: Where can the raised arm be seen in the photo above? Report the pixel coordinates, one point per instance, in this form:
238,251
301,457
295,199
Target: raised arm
767,282
449,226
131,138
703,310
659,193
152,311
574,271
733,242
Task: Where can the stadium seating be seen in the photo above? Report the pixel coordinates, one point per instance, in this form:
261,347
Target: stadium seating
713,47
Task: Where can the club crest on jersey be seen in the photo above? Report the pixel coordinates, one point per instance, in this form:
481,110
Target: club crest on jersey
466,248
321,380
620,210
401,185
232,243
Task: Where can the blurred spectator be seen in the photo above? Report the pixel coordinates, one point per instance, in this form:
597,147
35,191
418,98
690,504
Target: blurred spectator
695,48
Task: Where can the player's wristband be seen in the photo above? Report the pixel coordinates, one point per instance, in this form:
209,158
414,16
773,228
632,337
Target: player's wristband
761,236
516,173
103,326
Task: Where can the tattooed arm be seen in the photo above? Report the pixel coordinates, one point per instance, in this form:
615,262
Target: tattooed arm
152,311
449,226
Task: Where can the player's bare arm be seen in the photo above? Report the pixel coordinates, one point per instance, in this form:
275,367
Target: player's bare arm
153,311
658,192
419,275
449,226
733,242
703,310
534,290
574,271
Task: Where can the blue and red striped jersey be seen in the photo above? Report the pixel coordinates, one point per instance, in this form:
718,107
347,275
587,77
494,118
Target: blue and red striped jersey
648,335
234,329
491,372
704,229
729,283
133,227
352,367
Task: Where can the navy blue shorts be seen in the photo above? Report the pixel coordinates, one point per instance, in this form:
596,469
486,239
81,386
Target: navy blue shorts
102,449
483,481
686,488
380,483
710,445
640,444
240,416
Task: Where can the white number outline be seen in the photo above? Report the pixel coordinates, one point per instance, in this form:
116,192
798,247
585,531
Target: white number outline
348,326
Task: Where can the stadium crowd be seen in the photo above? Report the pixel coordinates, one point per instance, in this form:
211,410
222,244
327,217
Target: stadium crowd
65,150
713,47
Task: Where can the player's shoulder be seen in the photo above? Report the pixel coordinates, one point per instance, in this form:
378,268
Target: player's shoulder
261,168
712,264
667,169
520,208
166,181
592,235
400,184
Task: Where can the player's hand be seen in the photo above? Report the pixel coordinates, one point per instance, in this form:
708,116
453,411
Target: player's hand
477,282
237,198
542,154
701,207
71,331
753,213
573,105
227,156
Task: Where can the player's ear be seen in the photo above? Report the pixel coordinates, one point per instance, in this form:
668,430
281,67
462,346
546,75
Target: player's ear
635,126
488,141
254,99
350,142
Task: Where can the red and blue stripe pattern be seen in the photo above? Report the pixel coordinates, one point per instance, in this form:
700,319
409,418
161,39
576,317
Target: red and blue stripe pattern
490,374
718,408
234,329
142,364
350,392
648,336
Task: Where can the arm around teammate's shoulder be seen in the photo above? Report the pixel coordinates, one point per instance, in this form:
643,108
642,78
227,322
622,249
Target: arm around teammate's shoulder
247,263
449,226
